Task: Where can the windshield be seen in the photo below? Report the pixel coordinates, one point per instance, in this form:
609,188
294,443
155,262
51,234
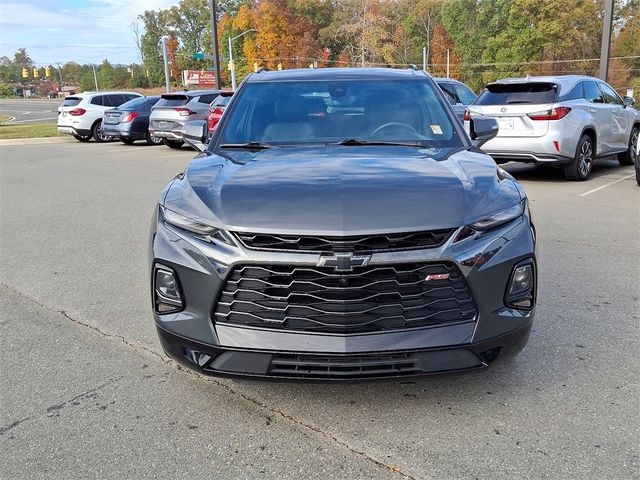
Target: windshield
312,112
511,93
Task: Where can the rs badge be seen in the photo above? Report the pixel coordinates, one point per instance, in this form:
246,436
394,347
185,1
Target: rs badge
438,276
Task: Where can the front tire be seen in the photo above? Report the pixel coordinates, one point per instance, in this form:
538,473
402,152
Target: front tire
580,169
630,156
173,143
98,134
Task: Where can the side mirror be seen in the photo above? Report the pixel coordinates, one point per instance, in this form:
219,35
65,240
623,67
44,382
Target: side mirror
195,133
482,130
628,101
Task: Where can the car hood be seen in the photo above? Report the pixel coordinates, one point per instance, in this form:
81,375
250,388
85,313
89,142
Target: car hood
341,190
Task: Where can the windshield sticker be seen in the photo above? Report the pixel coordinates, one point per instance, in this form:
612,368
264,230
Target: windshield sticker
436,129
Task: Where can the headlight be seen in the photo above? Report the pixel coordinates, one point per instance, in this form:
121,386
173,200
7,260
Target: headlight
500,218
201,230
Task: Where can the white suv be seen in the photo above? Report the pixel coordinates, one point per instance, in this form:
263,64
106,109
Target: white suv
81,115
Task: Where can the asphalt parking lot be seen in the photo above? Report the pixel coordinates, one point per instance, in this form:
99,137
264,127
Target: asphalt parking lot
87,391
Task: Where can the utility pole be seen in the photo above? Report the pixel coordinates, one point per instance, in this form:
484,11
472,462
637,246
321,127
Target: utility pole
95,78
214,35
232,65
424,59
167,80
606,39
448,63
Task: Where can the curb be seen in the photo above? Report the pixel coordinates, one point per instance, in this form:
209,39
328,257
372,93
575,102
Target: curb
35,141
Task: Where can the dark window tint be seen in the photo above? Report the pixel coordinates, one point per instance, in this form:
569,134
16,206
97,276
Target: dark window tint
449,92
208,98
98,100
610,95
173,100
575,93
592,92
128,96
71,101
514,93
116,99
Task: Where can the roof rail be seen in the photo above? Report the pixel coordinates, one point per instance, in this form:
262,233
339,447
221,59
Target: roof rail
413,66
262,69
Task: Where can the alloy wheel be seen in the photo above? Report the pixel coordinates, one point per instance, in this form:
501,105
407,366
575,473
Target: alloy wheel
101,135
585,158
633,146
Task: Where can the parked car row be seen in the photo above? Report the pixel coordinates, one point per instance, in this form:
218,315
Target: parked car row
565,121
130,116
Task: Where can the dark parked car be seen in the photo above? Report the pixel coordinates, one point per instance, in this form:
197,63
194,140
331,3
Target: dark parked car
459,95
130,121
341,225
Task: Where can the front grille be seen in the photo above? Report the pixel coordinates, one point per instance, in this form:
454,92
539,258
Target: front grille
333,366
356,244
369,299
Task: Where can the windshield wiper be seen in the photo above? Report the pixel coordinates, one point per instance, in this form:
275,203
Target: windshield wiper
248,145
359,141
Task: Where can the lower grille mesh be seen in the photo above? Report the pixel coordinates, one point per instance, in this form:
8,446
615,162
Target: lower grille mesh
328,366
375,298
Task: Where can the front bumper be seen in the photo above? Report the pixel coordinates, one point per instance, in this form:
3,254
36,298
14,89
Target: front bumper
294,366
193,338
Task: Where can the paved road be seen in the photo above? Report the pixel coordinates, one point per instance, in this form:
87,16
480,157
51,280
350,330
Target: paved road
30,110
87,393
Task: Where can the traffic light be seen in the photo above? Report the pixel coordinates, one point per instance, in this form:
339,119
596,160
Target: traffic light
279,65
230,65
36,72
47,71
255,66
25,72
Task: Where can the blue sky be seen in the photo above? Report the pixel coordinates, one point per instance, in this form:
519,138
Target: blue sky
80,30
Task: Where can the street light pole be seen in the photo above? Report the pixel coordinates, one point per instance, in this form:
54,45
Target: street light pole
231,62
214,35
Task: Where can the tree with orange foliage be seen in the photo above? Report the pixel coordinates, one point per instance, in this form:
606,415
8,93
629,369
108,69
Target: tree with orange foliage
440,42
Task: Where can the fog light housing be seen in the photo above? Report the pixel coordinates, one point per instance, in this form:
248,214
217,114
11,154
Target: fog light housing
522,286
167,297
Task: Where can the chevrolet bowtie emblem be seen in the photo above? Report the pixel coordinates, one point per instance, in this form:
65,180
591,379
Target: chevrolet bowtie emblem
344,262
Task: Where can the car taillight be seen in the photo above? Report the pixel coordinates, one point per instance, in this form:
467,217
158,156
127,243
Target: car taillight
218,111
130,116
184,112
76,112
552,114
467,115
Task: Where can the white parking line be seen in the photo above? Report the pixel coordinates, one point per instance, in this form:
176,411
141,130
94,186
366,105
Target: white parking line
606,185
34,120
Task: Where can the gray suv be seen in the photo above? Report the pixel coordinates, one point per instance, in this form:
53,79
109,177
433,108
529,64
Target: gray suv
340,225
173,110
565,121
